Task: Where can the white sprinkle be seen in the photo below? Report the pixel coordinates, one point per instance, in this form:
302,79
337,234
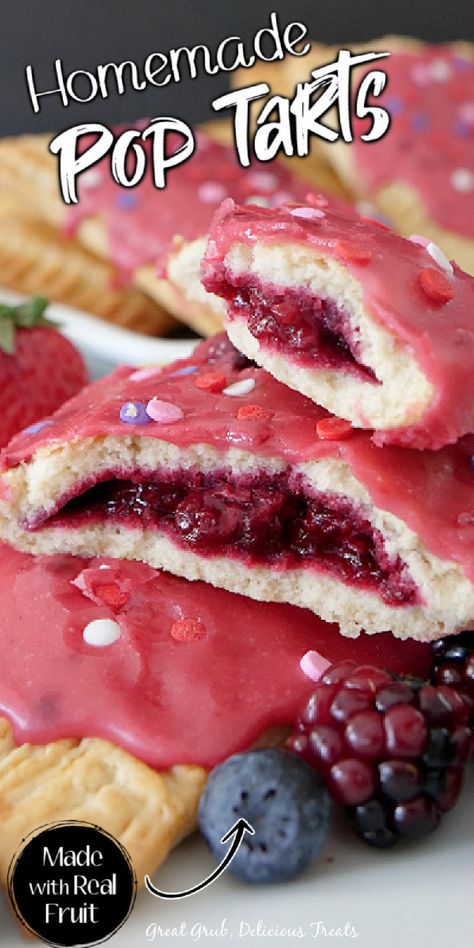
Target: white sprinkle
313,665
440,258
439,70
418,239
262,180
309,213
462,179
101,632
104,566
243,387
91,179
258,199
211,192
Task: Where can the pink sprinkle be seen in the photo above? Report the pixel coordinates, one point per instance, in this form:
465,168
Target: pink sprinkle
262,180
141,375
420,74
313,665
466,113
281,197
165,412
211,192
309,213
417,239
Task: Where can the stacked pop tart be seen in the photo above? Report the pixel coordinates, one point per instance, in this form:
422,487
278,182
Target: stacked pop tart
316,460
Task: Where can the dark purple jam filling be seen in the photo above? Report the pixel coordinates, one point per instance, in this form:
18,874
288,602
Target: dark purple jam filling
309,329
266,519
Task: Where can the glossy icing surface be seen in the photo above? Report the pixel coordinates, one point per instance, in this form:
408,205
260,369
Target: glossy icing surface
392,272
432,492
430,143
142,222
195,674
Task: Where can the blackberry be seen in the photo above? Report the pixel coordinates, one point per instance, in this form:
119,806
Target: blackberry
453,664
391,750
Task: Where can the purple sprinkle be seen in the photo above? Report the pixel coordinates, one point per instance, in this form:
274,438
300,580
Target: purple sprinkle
127,201
134,413
420,122
187,370
394,104
460,129
33,429
462,64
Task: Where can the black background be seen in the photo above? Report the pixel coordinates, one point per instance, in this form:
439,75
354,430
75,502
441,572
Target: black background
84,33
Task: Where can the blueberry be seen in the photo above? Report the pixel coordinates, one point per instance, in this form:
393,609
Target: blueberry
282,798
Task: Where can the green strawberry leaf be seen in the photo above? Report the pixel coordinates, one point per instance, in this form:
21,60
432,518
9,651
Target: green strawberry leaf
23,316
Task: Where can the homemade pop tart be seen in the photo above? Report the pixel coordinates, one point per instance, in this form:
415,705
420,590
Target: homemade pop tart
376,328
214,470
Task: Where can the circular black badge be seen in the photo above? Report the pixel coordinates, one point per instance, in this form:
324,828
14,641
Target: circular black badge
72,884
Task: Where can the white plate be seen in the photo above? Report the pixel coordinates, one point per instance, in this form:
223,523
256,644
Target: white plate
104,345
418,897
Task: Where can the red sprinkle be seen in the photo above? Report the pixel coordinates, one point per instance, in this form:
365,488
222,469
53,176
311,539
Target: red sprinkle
254,413
435,285
333,429
111,595
188,630
355,252
211,382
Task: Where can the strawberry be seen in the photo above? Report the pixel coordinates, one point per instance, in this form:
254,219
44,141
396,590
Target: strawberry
39,368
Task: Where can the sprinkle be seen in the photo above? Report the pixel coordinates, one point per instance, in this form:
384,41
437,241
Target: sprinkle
420,75
419,121
186,370
308,213
91,179
439,70
210,192
101,632
313,665
254,413
33,429
211,382
418,239
394,104
440,258
353,252
462,179
134,413
149,372
281,197
164,412
188,630
262,180
243,387
460,129
111,595
466,113
259,200
127,202
333,429
435,285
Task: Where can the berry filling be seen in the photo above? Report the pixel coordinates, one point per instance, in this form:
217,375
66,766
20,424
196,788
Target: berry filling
269,519
310,330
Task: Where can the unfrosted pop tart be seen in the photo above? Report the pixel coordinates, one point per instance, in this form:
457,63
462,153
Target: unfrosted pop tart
376,328
214,470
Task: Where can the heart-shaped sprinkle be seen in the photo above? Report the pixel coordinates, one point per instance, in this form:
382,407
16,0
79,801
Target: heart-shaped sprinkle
134,413
188,630
164,412
240,388
333,429
211,382
254,413
435,285
101,632
313,665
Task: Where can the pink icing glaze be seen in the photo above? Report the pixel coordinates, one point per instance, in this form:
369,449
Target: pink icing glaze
432,492
141,222
430,96
164,699
439,336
